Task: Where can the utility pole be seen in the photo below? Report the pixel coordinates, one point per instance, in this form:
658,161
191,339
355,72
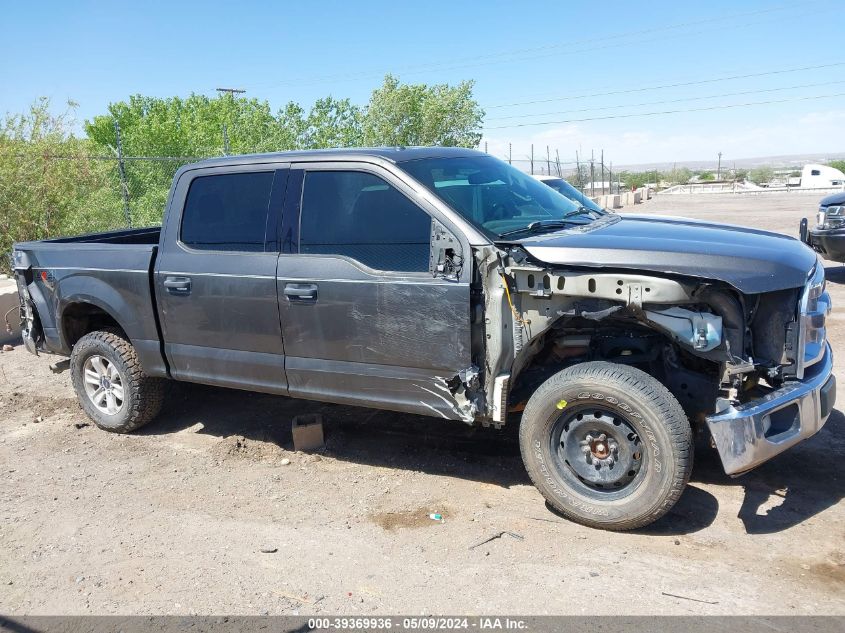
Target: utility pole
231,91
548,162
557,159
578,167
124,187
485,147
592,173
602,173
532,159
225,140
510,154
719,168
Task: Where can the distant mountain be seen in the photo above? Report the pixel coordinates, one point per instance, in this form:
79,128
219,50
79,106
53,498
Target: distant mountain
789,160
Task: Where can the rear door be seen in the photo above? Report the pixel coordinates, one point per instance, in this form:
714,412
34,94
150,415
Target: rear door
363,319
216,278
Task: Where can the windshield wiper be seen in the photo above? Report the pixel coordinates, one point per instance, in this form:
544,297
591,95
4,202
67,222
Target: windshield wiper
581,211
539,225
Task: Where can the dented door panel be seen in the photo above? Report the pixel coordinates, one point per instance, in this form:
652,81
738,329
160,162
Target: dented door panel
373,339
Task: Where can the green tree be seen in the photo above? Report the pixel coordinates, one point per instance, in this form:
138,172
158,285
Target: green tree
42,196
418,114
332,123
837,164
192,128
761,175
706,176
49,183
637,179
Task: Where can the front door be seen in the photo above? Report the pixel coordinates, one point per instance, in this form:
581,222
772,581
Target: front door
216,279
364,322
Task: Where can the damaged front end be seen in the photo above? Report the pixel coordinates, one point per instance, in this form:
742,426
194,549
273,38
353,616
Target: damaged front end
716,349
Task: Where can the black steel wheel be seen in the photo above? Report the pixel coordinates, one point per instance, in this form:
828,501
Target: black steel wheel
607,445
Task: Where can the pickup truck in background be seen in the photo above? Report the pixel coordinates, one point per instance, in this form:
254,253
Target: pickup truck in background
444,282
827,237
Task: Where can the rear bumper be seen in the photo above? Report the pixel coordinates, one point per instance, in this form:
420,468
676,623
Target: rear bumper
754,432
830,243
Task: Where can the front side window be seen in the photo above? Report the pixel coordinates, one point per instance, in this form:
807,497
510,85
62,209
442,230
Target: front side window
496,197
358,215
227,212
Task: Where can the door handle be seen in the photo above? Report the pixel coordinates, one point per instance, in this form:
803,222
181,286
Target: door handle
301,292
178,285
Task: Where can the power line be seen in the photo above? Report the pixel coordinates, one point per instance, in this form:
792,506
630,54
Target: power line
630,116
682,84
647,103
494,58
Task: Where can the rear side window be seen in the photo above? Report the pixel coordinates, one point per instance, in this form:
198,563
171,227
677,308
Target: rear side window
227,212
361,216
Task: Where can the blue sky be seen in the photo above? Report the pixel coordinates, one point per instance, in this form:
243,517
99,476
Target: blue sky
558,53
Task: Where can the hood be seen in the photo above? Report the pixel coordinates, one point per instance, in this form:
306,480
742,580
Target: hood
836,198
750,260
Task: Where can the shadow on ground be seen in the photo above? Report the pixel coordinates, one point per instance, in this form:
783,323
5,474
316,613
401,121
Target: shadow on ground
364,436
796,486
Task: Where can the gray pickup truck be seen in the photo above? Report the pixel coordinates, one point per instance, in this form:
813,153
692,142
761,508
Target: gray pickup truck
444,282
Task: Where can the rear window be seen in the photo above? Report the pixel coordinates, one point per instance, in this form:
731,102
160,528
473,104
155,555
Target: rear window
227,212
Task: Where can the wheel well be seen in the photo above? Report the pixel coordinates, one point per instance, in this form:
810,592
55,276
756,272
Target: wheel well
79,319
692,380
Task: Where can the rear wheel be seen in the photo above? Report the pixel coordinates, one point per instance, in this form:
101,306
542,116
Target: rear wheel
111,387
607,445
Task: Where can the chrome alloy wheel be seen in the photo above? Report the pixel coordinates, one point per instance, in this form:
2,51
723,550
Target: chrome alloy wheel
103,384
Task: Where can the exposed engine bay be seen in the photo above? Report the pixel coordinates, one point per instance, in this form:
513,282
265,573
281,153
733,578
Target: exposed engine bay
705,341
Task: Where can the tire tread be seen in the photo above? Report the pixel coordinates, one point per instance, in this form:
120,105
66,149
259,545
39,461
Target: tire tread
146,395
664,405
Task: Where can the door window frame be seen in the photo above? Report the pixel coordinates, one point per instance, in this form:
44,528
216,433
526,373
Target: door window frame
278,190
290,225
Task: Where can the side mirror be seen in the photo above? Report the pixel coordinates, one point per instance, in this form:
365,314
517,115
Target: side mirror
445,254
803,231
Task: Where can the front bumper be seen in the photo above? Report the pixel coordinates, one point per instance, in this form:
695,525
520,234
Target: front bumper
754,432
830,243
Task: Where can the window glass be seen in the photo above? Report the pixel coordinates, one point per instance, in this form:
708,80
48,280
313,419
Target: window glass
496,197
227,212
359,215
564,188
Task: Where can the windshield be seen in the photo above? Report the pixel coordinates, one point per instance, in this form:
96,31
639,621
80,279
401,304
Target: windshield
496,197
563,187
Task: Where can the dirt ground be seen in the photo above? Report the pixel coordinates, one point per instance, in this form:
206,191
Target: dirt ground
174,518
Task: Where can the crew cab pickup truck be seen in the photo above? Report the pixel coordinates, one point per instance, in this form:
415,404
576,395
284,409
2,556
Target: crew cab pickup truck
444,282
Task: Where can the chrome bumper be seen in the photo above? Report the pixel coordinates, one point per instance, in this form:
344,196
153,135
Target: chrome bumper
754,432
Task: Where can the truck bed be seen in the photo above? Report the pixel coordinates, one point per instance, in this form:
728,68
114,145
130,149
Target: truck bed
96,276
146,235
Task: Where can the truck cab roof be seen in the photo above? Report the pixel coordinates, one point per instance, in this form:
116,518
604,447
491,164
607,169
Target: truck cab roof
393,154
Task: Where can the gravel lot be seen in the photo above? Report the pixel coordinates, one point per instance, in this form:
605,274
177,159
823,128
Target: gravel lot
173,519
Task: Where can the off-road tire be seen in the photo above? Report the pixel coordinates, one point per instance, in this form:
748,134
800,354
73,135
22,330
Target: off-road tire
646,405
143,395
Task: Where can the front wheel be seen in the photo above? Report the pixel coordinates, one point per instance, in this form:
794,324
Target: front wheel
112,388
607,445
